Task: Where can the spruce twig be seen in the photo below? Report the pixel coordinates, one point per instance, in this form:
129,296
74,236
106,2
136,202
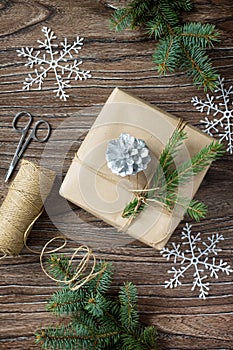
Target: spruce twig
167,156
194,209
195,165
96,320
180,46
167,179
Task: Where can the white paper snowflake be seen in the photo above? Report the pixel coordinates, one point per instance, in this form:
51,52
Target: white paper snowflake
54,60
197,256
223,124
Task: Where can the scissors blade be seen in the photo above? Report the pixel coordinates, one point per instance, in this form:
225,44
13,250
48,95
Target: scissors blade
11,167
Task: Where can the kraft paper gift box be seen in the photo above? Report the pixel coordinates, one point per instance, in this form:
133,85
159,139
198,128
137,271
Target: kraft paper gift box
90,184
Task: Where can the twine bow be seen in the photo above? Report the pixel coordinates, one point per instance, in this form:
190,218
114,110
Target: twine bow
141,199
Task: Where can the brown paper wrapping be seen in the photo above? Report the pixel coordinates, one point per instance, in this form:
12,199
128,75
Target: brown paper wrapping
91,185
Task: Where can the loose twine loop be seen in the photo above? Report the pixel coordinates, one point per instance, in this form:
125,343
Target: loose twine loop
78,277
22,207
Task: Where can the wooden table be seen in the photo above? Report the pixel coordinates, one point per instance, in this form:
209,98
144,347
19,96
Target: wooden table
115,59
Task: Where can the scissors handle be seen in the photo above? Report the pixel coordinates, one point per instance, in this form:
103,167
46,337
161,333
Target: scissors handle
35,129
24,140
18,116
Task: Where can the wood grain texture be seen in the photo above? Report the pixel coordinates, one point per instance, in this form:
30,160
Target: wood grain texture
124,60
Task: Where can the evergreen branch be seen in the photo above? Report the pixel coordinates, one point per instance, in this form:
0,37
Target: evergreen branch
59,267
199,67
96,304
162,21
194,209
196,164
128,312
184,5
121,19
180,46
169,14
61,338
133,208
97,321
167,54
65,301
167,179
150,336
156,27
160,29
103,280
70,337
139,10
167,157
171,149
197,34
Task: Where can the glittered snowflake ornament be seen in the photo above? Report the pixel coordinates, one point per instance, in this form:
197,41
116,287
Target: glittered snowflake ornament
59,61
193,253
127,155
221,107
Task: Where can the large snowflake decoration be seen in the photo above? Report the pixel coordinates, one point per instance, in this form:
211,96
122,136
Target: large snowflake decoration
223,110
197,256
54,60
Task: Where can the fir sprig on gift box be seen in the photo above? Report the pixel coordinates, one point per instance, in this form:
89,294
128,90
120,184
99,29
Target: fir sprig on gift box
168,178
96,320
181,46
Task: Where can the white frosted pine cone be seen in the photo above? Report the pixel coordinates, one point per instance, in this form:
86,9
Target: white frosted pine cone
127,155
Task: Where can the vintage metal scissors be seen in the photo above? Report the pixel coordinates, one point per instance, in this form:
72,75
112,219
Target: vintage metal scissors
24,140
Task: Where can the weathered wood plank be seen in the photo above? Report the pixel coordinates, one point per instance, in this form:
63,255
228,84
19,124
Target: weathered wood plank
124,60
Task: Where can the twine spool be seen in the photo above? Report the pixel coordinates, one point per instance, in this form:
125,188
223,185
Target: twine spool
23,205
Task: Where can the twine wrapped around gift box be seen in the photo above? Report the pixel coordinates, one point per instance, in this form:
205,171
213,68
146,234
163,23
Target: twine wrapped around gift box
90,184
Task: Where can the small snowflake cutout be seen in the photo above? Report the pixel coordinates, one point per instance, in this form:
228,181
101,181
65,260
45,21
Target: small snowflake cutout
55,60
223,111
196,256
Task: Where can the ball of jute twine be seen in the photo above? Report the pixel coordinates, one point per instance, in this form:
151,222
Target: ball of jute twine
23,205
